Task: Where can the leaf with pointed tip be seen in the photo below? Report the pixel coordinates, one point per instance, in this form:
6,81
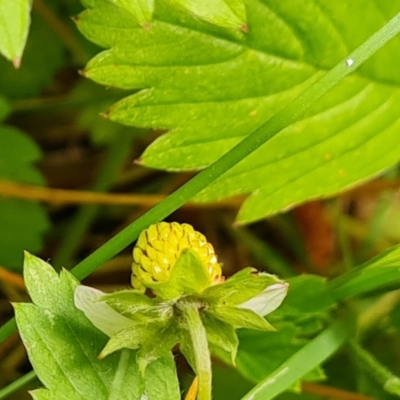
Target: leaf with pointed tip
221,335
141,10
224,13
14,28
164,341
132,338
240,318
211,88
240,287
63,346
381,271
188,276
99,313
138,306
39,63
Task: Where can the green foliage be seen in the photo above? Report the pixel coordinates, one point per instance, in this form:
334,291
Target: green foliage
249,77
302,316
39,64
186,310
303,361
224,13
63,347
14,27
208,73
22,223
379,272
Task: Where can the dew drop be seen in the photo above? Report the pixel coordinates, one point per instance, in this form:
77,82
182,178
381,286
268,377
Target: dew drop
349,62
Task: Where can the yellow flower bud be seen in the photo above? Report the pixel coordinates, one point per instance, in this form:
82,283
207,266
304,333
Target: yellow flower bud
159,247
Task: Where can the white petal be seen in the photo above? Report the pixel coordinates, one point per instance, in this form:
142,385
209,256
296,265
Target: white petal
268,300
99,313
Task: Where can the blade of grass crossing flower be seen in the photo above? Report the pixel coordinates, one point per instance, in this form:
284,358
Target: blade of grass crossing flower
273,126
283,118
306,359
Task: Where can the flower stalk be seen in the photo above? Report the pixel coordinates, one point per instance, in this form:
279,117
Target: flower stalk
199,343
192,305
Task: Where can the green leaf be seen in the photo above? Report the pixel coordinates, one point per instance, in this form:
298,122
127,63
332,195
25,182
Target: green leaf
240,287
4,108
134,338
14,27
141,10
161,345
241,81
303,361
129,302
224,13
22,223
188,276
260,353
240,317
97,99
39,62
63,347
379,272
221,335
228,383
307,294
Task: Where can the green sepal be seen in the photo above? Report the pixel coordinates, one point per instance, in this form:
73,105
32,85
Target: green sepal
128,302
132,338
138,306
151,350
127,338
240,318
221,335
186,345
188,276
239,288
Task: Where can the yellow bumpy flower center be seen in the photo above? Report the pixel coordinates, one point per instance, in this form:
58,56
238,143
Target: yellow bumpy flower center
159,247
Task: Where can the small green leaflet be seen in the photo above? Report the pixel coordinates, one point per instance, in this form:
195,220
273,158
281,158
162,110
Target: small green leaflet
39,63
211,87
63,347
22,223
14,27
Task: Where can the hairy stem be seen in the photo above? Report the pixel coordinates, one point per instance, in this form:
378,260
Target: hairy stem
198,348
389,381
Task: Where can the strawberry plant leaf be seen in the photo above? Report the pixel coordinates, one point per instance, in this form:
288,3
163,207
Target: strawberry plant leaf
142,10
211,87
379,272
224,13
14,27
63,347
39,63
22,223
255,347
240,317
